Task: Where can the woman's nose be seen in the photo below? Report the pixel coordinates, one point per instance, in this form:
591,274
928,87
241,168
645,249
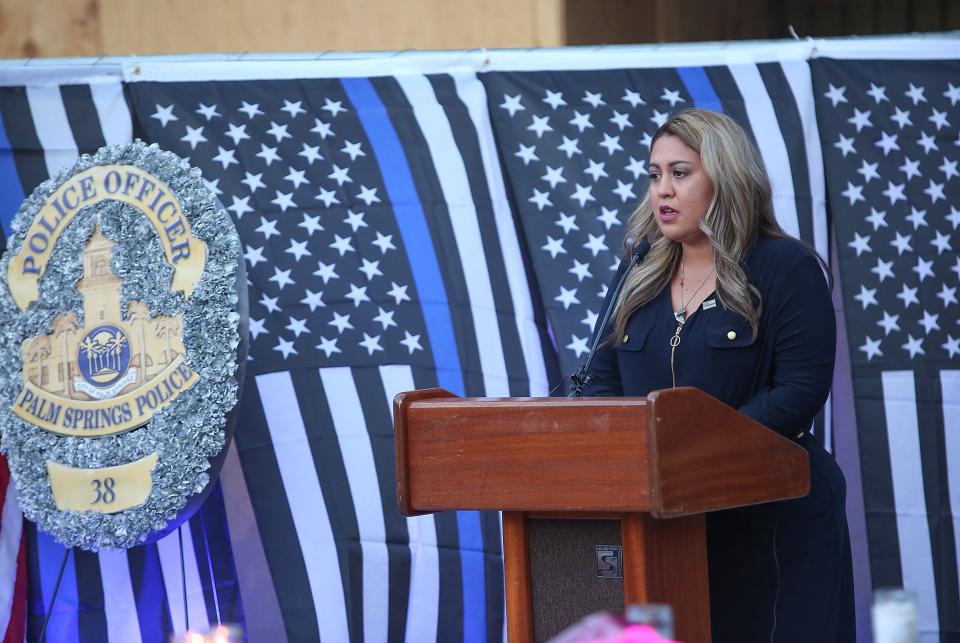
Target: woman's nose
664,187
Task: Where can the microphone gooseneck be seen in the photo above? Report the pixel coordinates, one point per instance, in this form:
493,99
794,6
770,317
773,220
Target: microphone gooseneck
581,378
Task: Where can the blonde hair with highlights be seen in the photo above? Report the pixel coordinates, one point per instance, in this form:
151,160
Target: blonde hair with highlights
740,211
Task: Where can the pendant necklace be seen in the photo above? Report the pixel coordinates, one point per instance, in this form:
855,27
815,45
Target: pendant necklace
681,315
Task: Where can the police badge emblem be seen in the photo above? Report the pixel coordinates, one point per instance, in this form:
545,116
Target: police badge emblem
120,337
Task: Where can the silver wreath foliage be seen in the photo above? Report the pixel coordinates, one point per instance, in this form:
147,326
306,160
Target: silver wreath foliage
192,428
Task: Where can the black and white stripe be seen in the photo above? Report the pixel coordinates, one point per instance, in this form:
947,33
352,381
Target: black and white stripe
332,453
923,551
28,154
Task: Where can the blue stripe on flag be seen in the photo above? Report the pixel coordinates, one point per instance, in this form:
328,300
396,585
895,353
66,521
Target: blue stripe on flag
470,532
700,88
413,228
412,223
11,191
63,622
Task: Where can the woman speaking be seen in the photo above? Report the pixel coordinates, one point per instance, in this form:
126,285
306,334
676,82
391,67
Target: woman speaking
726,302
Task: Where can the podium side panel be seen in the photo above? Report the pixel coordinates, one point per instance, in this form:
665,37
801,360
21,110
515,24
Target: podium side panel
401,406
708,456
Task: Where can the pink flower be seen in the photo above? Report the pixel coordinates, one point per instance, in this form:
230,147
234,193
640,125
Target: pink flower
605,627
635,634
642,634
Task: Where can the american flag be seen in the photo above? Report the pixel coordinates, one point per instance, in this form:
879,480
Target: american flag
13,562
575,146
381,257
890,138
400,232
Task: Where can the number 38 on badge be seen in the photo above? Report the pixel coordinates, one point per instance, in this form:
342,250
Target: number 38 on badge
123,336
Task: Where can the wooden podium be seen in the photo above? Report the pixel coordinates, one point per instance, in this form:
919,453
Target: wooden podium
579,478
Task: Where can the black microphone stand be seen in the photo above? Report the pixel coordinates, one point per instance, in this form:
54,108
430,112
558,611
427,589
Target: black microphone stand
580,379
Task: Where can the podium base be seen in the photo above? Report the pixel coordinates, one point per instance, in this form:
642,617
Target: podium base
559,567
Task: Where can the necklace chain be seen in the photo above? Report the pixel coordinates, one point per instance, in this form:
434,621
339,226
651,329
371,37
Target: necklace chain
681,314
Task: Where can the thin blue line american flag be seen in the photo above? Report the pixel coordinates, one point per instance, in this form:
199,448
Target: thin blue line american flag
890,136
391,244
350,305
575,145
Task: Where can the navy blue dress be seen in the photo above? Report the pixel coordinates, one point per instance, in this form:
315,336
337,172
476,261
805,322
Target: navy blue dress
780,571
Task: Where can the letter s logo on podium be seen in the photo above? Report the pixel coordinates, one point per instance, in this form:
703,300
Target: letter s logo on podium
609,561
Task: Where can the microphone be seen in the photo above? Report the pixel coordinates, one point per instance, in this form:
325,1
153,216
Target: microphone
582,377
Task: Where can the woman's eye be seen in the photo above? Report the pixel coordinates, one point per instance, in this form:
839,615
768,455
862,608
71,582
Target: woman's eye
654,176
679,173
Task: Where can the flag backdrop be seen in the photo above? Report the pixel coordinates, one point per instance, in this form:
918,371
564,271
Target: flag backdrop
457,228
890,136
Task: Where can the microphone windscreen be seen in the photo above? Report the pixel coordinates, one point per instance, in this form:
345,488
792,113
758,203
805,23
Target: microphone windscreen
640,250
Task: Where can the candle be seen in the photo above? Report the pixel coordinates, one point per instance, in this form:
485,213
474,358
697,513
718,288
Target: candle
894,616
